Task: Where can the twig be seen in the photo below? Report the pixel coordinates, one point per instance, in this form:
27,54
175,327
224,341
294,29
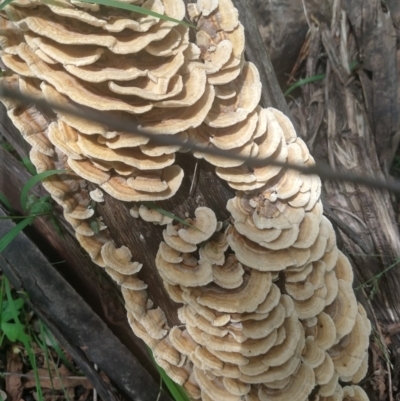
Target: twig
94,388
125,125
159,394
356,238
194,179
379,275
355,217
306,13
28,376
386,354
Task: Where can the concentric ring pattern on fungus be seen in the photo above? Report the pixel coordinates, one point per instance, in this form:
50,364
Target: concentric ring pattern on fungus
267,307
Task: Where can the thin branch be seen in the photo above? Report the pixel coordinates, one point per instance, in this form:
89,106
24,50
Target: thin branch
29,376
125,125
384,349
306,14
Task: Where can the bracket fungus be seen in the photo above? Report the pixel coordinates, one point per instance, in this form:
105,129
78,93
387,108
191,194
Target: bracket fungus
266,302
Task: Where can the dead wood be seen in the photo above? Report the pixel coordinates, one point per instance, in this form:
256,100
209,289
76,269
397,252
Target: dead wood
90,281
350,119
73,322
135,233
283,25
336,118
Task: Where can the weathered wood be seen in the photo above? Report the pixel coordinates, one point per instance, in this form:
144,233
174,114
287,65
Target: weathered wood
55,299
255,52
143,239
88,279
375,34
353,136
283,25
77,354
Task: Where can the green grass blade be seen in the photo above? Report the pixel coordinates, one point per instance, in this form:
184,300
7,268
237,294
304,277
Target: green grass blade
60,353
7,146
26,161
23,217
136,9
57,227
177,392
304,81
2,289
7,239
379,275
32,360
43,345
352,66
152,205
61,381
47,357
33,181
5,3
175,389
5,202
40,206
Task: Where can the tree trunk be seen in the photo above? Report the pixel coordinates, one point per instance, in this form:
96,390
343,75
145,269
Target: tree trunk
358,109
350,119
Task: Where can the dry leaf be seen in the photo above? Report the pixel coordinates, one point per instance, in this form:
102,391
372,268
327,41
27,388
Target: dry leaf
14,386
68,380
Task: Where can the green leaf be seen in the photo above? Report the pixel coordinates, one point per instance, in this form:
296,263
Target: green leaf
22,336
5,202
7,239
25,338
5,3
11,331
41,206
137,9
6,315
33,181
152,205
30,201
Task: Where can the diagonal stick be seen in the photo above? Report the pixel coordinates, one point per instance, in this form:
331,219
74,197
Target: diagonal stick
123,124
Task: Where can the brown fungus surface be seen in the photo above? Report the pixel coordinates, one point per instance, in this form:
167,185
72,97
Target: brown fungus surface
267,303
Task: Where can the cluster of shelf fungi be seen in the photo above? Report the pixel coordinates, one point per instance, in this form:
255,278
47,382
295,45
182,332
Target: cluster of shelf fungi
268,310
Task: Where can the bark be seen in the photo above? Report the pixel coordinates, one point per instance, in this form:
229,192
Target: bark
256,52
73,322
283,25
90,281
338,121
351,120
141,238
